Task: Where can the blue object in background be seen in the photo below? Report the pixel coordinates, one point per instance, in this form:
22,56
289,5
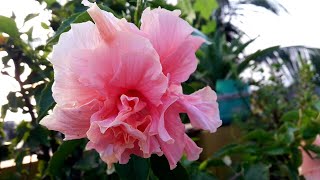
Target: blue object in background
233,99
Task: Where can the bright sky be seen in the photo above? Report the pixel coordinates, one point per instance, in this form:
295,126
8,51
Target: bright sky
298,27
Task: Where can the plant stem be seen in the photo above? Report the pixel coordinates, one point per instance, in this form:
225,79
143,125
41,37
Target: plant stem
23,91
137,13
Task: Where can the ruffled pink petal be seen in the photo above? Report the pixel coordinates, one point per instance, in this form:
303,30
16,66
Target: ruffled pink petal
141,71
191,149
150,146
172,39
173,150
122,65
130,104
71,94
105,26
72,122
165,29
310,167
106,144
125,156
202,109
158,122
313,175
195,41
106,21
80,36
180,64
124,135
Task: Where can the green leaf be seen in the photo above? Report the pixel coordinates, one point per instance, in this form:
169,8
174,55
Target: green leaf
30,16
209,27
258,171
290,116
286,133
187,89
8,25
50,2
226,150
65,26
5,61
18,160
14,102
88,161
38,135
199,175
258,135
275,150
161,169
297,157
57,161
44,25
205,7
29,34
243,65
136,169
187,10
4,109
22,129
310,130
46,101
313,148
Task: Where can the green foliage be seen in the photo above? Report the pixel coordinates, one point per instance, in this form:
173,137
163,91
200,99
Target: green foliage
8,25
257,171
58,159
187,10
281,125
45,102
161,169
136,168
205,7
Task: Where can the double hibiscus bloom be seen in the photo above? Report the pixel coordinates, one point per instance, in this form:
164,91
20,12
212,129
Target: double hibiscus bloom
120,86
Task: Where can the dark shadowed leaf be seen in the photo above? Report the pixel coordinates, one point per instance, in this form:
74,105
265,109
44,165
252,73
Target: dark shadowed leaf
46,101
65,149
161,169
38,135
136,169
18,160
258,171
88,161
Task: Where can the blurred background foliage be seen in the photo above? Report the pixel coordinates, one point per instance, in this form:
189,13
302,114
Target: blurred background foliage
282,118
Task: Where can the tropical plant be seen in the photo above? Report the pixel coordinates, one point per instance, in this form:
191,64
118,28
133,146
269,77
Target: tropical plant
276,132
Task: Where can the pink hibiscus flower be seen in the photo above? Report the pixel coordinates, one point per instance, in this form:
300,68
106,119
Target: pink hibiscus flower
310,167
120,87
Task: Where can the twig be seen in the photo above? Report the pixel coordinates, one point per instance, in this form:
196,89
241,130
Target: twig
23,91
